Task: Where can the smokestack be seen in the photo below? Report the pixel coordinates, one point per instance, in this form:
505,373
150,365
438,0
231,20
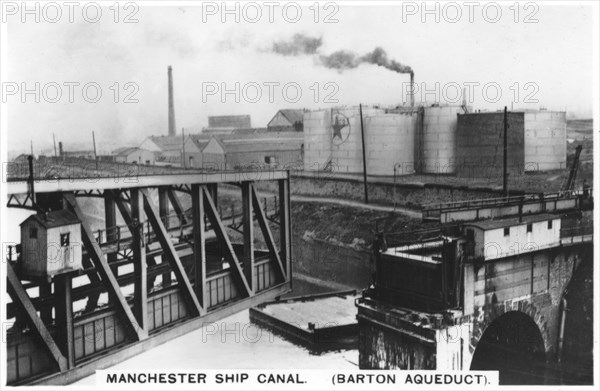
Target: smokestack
171,104
412,89
60,149
30,180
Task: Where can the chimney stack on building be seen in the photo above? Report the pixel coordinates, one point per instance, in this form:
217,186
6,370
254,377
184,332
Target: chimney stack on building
171,104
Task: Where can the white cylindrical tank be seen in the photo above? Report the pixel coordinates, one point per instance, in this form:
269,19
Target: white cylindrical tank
438,139
390,141
317,139
346,148
545,140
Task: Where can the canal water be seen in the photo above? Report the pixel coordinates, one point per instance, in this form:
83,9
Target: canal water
232,343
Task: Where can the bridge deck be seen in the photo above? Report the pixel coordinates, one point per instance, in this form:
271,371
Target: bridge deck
50,185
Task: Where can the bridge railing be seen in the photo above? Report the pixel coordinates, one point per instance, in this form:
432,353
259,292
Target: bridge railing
487,202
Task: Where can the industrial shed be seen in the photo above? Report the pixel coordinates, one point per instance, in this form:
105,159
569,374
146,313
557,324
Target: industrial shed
288,119
169,149
208,152
282,149
134,155
51,244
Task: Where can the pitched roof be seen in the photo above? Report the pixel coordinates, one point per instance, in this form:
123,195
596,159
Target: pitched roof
57,218
167,143
124,151
202,140
293,115
22,156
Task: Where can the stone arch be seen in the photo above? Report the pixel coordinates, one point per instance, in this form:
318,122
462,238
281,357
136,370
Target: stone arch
514,344
485,315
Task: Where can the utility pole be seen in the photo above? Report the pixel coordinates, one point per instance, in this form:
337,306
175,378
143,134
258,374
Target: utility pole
362,132
95,155
31,145
505,162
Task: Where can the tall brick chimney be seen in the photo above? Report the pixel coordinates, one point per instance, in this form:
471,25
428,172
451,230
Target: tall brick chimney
172,131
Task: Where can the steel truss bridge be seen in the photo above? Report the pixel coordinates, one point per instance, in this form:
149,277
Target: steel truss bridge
215,276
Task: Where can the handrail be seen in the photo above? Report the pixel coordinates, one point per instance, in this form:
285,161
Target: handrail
568,194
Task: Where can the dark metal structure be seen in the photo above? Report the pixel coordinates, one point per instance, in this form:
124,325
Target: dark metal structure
215,274
570,185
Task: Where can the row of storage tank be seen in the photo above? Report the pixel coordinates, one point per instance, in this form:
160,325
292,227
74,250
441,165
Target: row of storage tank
426,140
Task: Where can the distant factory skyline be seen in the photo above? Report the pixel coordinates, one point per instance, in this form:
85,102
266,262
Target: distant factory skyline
111,78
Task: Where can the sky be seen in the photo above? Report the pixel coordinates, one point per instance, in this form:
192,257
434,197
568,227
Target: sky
547,63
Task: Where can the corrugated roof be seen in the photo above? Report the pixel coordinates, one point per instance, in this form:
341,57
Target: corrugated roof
511,222
57,218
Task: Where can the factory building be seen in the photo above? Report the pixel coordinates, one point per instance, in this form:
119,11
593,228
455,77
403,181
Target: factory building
264,149
287,119
208,153
536,141
226,124
134,155
169,150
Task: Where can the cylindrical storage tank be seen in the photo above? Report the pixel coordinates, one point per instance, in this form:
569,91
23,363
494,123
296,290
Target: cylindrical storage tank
389,141
346,148
438,139
545,140
317,139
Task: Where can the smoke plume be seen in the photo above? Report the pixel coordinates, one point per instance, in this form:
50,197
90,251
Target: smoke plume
379,57
340,60
299,44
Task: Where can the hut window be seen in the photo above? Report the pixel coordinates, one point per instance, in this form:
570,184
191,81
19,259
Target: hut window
507,231
33,233
64,239
529,227
549,224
